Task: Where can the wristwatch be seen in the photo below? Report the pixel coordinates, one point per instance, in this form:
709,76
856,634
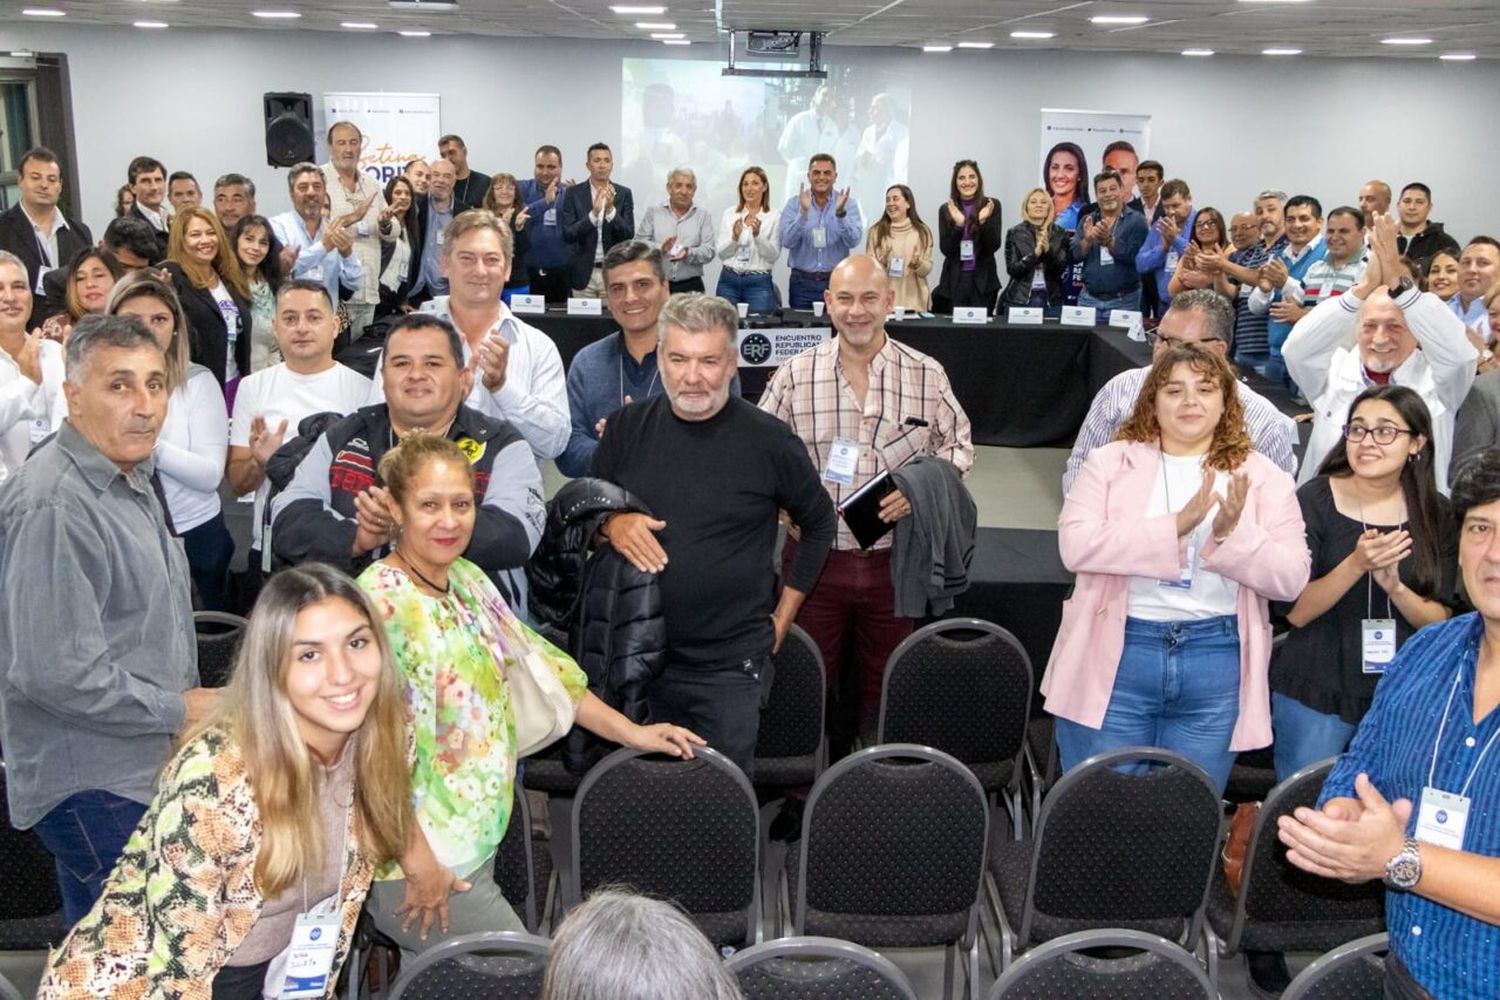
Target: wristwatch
1404,871
1401,287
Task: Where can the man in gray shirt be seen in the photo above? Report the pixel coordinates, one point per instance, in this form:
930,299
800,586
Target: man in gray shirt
683,231
98,666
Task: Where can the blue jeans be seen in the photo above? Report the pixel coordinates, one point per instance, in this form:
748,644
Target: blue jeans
1130,300
803,292
85,833
1304,736
209,549
754,288
1177,688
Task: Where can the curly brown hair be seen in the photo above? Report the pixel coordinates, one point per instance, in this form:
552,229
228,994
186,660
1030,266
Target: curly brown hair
1231,443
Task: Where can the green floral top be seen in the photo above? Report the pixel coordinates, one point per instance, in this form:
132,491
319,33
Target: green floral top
454,653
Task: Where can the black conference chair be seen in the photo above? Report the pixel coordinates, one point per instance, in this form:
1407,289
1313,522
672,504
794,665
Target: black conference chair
1352,971
963,686
1156,970
523,865
817,968
684,830
1280,907
1042,761
31,917
218,634
546,772
1113,849
8,990
791,749
494,965
892,855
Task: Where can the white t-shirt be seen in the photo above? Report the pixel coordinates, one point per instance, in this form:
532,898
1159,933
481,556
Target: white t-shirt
231,314
191,449
1211,595
278,393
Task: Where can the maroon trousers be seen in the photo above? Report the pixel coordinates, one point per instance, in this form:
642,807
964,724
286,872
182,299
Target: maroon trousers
854,597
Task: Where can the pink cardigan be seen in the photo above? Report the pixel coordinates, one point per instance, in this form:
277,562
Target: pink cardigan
1105,541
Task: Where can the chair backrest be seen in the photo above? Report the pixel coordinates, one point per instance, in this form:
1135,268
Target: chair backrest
817,968
791,724
515,873
494,965
218,634
1158,970
27,870
1120,846
8,990
1275,890
687,831
893,849
1349,972
962,686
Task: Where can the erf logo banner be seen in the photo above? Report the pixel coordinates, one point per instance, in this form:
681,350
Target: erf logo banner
769,348
398,128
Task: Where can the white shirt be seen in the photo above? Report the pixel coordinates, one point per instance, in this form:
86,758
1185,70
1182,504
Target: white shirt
231,314
534,398
599,219
191,448
315,261
29,413
278,393
1211,595
47,242
749,252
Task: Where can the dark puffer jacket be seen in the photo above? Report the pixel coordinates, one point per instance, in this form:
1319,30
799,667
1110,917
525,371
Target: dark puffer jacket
609,610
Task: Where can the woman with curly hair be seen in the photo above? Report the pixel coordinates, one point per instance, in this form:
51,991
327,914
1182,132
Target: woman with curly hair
1179,535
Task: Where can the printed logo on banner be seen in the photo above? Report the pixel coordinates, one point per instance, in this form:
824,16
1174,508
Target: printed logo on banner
756,349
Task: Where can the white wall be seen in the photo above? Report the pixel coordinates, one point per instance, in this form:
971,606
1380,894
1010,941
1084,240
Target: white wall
1230,126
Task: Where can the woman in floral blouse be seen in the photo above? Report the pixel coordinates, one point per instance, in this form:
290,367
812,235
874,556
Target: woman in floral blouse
455,642
283,803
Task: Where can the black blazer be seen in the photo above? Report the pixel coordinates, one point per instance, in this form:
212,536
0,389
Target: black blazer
987,239
161,237
17,236
1021,261
208,337
582,236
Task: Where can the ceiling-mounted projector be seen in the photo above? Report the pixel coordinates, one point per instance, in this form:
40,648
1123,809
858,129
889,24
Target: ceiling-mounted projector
424,4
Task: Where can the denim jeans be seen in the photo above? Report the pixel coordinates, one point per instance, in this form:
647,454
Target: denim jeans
754,288
803,292
1130,300
85,833
1304,736
1177,688
209,549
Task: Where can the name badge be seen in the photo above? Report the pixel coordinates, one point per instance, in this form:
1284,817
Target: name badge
843,458
1441,818
819,237
1078,316
310,958
1172,259
898,267
1105,257
529,305
965,249
549,217
1024,315
970,314
437,235
1124,318
1378,643
743,257
41,274
584,307
1184,579
41,429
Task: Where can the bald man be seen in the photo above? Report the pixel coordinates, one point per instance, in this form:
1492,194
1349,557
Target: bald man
1375,198
823,394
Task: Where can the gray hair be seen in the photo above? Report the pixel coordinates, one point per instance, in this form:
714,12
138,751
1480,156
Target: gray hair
617,946
1272,193
682,172
630,251
696,312
6,257
236,180
98,330
298,170
1215,309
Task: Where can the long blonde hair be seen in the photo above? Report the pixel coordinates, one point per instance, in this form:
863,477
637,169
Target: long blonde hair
226,265
1046,224
258,717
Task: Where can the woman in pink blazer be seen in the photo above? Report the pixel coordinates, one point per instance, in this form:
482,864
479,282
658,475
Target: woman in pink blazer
1179,534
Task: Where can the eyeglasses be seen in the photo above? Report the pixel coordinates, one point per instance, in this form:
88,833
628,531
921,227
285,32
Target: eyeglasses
1205,224
1383,434
1157,340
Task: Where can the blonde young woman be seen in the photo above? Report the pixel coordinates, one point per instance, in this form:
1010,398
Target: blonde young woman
902,243
281,804
1036,251
215,296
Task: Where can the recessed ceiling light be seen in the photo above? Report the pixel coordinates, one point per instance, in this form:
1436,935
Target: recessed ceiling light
1197,52
22,54
675,41
629,9
1033,34
415,33
937,48
1119,19
1448,56
150,24
44,12
1406,41
663,36
1281,52
359,25
276,15
976,45
656,25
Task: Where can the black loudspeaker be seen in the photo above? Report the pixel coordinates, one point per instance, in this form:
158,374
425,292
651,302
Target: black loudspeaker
289,134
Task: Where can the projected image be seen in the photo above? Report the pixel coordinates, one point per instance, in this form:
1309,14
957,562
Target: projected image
686,113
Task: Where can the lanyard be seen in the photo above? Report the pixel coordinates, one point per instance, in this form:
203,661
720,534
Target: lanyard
343,853
1432,770
1370,577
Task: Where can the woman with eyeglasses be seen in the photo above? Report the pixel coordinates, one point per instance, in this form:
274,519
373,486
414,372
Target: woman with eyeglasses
1384,557
1208,249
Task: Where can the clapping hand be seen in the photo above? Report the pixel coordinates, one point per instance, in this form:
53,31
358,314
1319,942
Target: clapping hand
522,217
987,210
843,202
955,213
1169,229
264,441
1231,505
29,358
804,198
1196,509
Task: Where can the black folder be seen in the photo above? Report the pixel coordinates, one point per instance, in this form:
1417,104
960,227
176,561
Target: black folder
861,511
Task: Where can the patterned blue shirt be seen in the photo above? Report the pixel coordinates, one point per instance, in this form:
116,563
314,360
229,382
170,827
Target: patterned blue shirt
1450,953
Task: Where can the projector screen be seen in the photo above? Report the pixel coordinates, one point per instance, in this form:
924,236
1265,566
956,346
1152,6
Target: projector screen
678,112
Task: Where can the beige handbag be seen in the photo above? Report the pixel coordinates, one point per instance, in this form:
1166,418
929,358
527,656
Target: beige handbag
538,702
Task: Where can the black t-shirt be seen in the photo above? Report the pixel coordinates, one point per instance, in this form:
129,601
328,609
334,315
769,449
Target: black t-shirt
719,484
1322,664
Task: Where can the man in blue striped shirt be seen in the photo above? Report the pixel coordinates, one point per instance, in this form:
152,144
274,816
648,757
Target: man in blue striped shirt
1416,798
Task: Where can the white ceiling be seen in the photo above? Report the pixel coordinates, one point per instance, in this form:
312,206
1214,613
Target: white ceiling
1319,27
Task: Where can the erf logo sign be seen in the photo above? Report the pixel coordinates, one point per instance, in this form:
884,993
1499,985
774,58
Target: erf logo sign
756,349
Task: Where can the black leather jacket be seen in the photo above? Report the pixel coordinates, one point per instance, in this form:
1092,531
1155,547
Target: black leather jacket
1021,260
